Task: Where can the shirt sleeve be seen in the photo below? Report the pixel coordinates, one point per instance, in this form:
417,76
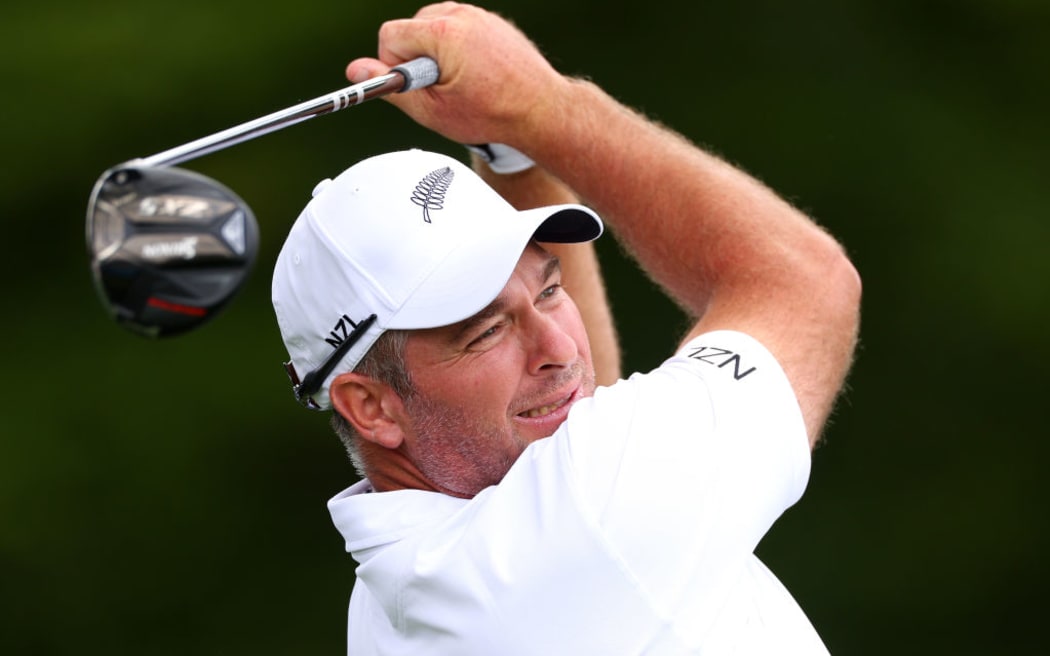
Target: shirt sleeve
687,467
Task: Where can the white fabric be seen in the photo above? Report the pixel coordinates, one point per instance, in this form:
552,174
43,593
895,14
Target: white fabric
629,531
503,159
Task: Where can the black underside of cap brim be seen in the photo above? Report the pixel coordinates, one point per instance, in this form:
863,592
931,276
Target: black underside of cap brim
568,226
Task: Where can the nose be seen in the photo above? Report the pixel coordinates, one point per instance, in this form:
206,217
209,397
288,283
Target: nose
551,345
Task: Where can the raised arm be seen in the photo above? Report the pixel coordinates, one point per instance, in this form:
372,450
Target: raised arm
725,247
731,252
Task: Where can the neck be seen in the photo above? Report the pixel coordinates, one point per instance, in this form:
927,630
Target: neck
389,470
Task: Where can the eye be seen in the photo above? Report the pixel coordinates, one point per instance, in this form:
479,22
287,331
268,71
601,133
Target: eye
550,291
489,333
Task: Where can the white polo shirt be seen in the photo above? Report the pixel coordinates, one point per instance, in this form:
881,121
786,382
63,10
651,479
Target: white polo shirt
631,530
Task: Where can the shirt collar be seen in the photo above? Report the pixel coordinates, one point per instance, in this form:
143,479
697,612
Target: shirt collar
366,518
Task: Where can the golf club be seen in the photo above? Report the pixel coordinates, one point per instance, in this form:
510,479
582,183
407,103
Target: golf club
169,247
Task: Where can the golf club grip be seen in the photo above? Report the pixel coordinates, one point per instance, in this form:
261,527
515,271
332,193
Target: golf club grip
418,73
414,74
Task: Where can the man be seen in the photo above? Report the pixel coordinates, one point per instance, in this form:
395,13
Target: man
516,500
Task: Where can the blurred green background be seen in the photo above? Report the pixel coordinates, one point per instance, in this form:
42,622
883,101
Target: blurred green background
169,497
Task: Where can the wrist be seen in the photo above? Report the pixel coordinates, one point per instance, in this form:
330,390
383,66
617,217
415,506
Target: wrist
562,128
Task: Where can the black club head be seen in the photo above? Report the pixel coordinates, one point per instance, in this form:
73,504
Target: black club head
169,247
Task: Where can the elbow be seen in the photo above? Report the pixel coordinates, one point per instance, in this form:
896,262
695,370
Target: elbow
828,292
840,288
834,329
848,282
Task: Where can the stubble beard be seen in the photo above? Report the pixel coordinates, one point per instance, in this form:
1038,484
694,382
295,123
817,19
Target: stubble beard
462,454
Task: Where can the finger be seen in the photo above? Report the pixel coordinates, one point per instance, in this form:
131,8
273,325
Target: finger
439,9
425,33
401,40
364,68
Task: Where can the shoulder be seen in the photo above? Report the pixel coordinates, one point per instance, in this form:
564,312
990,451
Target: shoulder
714,378
719,412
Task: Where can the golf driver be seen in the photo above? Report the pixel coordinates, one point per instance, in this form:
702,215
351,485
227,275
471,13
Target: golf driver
169,247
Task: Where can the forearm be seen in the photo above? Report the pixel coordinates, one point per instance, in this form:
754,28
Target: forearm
693,222
581,271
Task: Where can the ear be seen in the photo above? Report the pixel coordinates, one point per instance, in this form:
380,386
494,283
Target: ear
373,408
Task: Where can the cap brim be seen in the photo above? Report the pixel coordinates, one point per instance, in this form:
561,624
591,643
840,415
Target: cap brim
454,292
567,224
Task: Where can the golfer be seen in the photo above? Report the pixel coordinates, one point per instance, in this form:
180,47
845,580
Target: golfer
518,495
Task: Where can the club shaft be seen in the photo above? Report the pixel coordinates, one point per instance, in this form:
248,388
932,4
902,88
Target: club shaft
405,77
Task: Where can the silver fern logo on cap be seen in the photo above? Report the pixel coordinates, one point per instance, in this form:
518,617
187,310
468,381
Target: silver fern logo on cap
430,192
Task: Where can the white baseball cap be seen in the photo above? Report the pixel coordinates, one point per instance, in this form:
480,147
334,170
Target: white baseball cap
405,240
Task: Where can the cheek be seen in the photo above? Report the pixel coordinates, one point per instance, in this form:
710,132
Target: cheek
495,379
487,386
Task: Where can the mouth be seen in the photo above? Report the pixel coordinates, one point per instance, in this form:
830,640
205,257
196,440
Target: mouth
544,410
553,410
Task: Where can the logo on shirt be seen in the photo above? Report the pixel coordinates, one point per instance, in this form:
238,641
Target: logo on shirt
721,358
430,192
